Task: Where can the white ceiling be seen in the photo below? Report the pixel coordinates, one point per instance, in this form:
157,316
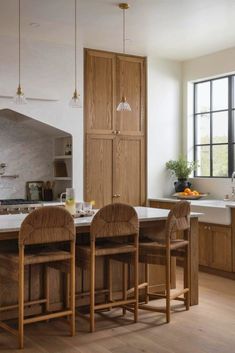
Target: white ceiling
175,29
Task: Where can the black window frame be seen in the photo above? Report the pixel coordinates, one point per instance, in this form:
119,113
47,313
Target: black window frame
231,117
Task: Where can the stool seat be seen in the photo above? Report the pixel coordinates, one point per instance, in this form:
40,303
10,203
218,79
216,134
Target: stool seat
36,257
109,248
153,245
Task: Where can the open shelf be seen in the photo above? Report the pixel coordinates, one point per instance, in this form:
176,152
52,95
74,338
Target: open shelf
62,178
69,156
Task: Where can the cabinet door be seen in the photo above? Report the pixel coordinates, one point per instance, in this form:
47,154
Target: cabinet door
129,170
131,84
99,92
204,244
99,169
221,248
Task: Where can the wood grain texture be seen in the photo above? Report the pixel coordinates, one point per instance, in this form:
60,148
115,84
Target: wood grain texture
129,170
233,238
195,331
131,84
99,92
215,246
99,169
107,76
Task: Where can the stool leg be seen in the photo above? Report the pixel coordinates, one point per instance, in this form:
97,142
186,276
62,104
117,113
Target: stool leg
187,278
124,285
21,298
72,288
146,269
92,293
46,288
168,284
136,279
67,281
110,281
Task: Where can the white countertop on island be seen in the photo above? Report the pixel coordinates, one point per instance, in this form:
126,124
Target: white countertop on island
12,222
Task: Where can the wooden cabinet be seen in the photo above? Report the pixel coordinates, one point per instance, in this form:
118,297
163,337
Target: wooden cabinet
115,142
215,246
99,169
130,75
129,170
100,91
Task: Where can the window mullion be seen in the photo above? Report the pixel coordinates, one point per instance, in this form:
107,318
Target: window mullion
211,132
230,127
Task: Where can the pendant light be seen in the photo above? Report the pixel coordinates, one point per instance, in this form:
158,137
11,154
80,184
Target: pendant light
19,97
124,105
75,102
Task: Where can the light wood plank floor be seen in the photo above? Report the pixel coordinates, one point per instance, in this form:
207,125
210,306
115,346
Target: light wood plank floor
206,328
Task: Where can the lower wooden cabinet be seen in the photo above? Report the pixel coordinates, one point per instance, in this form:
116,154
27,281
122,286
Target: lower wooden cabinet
215,246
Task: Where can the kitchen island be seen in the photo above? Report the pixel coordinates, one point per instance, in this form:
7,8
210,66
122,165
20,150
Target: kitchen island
151,220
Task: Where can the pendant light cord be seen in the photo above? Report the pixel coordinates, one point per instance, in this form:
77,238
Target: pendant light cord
124,31
19,43
75,38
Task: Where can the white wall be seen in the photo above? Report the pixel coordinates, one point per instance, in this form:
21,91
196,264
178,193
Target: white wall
217,64
164,123
47,74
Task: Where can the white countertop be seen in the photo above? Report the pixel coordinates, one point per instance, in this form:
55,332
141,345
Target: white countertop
201,202
12,222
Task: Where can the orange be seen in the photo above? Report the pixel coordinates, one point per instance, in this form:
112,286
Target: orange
187,190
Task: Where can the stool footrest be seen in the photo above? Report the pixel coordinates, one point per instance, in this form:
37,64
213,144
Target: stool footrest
152,308
15,306
8,328
47,317
114,304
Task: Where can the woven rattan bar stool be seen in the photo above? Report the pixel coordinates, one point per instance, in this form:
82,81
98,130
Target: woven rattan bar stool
114,231
47,235
161,251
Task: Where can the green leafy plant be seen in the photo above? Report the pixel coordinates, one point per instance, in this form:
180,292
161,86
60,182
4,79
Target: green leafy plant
181,168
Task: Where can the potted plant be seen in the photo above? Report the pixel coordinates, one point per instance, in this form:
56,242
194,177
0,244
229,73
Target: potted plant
181,168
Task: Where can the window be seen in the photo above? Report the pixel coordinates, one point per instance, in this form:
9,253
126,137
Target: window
214,128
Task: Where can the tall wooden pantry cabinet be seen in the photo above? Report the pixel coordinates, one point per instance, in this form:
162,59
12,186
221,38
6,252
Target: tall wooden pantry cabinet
115,142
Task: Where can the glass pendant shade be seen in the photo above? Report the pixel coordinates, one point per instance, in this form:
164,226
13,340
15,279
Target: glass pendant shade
19,97
123,105
75,102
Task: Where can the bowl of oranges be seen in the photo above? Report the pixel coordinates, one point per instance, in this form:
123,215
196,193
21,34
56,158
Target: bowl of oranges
189,194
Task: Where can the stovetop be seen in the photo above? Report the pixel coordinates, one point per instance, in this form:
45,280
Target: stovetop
9,202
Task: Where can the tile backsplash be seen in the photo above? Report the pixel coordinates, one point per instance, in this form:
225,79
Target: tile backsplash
28,152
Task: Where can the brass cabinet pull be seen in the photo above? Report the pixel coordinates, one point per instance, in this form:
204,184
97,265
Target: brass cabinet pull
116,195
118,132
